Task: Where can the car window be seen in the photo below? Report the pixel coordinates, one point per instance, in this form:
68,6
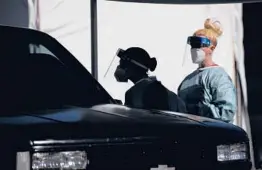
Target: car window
39,49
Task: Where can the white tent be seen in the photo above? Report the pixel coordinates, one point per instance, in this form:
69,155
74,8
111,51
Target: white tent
161,29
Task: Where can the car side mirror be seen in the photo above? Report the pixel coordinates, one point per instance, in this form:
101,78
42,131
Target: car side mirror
118,101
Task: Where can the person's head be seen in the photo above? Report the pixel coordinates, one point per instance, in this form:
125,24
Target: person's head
134,64
207,38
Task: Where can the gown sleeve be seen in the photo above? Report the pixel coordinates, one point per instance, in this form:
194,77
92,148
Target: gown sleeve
223,103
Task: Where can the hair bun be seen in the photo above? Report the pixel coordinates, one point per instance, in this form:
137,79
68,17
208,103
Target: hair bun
214,25
152,64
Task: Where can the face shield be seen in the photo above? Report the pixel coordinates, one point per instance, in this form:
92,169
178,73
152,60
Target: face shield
193,52
109,74
118,66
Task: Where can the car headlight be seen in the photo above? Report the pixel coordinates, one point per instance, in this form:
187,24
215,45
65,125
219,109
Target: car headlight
232,152
60,160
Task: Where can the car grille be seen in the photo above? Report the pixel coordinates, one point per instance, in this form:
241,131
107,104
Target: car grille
146,156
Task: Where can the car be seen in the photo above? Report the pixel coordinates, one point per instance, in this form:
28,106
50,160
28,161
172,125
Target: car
55,115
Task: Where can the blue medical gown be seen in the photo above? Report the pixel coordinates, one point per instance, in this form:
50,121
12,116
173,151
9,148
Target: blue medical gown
209,92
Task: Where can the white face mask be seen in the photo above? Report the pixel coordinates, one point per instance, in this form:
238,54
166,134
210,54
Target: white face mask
198,55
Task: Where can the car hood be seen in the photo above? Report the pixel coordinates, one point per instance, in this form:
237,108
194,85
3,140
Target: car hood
110,121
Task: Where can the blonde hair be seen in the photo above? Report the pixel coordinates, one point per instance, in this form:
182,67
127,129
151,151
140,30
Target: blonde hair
212,30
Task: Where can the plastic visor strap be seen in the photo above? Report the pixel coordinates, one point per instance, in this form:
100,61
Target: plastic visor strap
138,64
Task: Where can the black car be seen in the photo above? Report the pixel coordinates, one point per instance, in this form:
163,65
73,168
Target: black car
55,115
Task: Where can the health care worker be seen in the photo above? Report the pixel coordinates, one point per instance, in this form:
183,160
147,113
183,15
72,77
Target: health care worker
208,91
147,92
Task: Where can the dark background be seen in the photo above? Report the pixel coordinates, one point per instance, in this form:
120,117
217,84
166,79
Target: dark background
252,18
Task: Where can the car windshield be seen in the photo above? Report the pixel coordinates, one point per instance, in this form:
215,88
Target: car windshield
38,73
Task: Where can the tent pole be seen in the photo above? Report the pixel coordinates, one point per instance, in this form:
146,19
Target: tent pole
94,48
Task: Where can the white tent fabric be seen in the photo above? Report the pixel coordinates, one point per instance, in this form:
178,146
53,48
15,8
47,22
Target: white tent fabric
33,15
69,23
